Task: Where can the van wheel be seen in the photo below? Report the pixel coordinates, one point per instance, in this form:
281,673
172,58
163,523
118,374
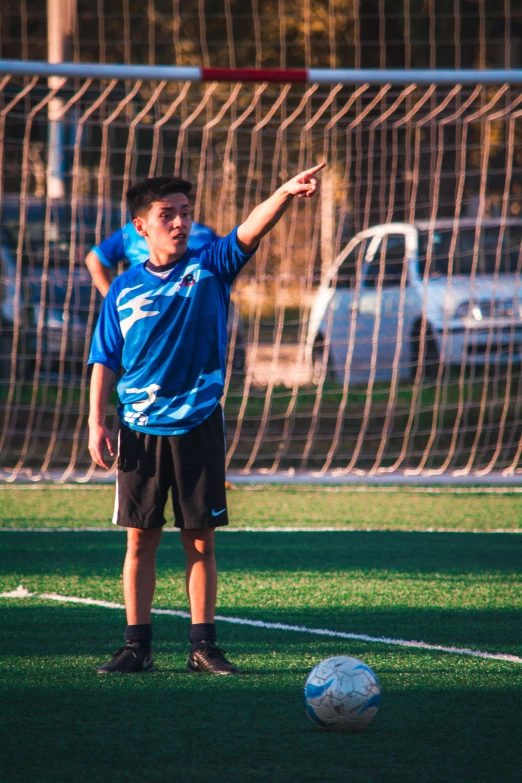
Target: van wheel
318,359
429,360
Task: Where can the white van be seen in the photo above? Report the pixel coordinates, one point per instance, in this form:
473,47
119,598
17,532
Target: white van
404,294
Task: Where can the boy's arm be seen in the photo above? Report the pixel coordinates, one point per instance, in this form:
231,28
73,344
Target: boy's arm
265,216
104,257
102,381
101,276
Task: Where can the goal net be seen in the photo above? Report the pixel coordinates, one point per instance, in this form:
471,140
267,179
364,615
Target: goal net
378,329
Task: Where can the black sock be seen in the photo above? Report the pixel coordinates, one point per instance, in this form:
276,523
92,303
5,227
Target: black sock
141,634
200,633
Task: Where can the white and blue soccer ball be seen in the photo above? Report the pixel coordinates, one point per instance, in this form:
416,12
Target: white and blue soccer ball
341,694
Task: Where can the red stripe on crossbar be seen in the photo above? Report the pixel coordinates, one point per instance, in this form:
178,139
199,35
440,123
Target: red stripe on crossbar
254,74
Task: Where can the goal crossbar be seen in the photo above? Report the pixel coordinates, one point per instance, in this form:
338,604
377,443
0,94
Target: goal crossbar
172,73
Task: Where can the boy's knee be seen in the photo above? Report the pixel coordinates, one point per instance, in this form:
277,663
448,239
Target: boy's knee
142,543
198,543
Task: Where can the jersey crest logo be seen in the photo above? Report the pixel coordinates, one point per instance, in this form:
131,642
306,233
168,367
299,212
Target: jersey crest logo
187,284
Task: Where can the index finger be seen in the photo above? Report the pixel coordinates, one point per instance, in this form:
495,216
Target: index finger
319,166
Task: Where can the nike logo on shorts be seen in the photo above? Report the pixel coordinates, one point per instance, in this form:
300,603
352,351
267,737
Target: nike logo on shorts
217,513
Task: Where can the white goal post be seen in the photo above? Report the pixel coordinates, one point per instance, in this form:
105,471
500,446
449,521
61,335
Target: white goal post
377,335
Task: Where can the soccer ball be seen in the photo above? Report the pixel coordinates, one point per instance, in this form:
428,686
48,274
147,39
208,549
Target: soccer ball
341,694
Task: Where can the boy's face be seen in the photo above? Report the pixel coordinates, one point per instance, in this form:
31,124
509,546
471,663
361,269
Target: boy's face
166,226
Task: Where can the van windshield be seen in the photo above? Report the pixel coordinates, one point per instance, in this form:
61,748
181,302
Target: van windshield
487,250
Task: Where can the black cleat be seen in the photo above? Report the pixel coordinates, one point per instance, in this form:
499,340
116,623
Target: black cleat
212,660
128,660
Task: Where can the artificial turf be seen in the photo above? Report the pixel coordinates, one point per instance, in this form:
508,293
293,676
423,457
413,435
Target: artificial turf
260,506
443,716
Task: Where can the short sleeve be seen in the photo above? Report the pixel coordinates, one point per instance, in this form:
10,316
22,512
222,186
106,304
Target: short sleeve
112,250
200,235
226,258
107,341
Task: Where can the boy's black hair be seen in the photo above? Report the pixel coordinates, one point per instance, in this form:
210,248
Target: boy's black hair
141,195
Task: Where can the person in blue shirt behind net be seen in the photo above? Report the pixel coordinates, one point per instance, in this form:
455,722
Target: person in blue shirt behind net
164,321
127,245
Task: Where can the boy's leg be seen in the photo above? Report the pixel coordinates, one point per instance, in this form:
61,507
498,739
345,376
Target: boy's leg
200,505
139,574
144,476
201,573
205,656
139,583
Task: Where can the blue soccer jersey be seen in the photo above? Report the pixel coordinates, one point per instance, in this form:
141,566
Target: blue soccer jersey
127,244
170,335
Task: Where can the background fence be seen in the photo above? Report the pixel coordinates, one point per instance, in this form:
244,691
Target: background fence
399,351
413,359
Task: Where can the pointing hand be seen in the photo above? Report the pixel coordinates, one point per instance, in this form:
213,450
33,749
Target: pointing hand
304,184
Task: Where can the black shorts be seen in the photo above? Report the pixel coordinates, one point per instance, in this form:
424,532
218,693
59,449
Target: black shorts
192,465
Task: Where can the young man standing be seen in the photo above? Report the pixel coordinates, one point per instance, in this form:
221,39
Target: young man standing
165,322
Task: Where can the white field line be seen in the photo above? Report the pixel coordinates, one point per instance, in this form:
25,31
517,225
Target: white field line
292,479
274,529
22,592
509,489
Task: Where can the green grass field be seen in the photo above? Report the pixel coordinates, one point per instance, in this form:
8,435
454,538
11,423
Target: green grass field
443,717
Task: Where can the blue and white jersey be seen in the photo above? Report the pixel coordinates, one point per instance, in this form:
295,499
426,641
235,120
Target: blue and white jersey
127,244
170,335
